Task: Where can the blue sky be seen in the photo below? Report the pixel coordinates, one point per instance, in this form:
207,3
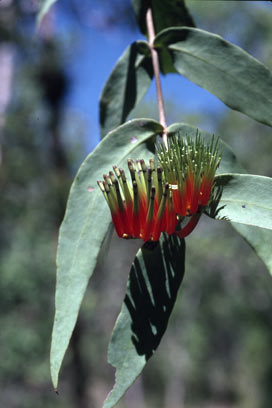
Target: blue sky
91,53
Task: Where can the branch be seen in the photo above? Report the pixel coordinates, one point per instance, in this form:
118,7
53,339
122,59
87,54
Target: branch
156,68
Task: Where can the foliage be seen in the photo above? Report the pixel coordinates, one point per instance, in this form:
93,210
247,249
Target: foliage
91,226
225,70
240,81
147,306
127,84
202,319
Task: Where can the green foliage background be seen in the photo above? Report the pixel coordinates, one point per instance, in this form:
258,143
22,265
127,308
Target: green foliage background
217,348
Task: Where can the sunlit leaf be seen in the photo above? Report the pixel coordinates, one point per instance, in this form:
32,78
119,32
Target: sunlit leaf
153,284
245,199
85,225
260,241
258,238
225,70
125,87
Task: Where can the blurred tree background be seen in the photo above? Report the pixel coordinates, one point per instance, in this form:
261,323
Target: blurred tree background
216,352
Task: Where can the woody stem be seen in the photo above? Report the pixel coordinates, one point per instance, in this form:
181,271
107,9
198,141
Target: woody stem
156,68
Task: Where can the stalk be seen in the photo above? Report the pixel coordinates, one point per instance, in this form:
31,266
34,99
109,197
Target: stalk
156,68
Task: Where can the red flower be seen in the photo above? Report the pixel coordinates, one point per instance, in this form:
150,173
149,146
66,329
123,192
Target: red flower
143,210
159,198
189,166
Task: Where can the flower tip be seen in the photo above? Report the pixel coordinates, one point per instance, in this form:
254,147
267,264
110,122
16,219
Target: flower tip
106,187
153,192
100,184
116,171
166,187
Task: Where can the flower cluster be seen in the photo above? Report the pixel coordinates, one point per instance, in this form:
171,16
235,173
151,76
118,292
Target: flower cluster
160,197
143,209
189,166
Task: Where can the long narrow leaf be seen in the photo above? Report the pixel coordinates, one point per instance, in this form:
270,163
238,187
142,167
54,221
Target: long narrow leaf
125,87
258,238
84,228
245,199
153,284
239,80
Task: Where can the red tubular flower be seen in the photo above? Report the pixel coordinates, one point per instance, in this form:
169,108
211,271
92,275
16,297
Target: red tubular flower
142,210
189,166
159,198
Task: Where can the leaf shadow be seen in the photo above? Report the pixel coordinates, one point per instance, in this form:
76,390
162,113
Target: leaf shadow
213,209
152,290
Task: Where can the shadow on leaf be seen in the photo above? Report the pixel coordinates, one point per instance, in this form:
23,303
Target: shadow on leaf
213,208
155,278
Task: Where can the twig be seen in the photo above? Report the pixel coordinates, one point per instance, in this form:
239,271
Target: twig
156,68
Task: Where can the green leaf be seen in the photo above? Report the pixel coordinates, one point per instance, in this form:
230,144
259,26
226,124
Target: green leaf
153,284
166,13
225,70
85,225
258,238
245,199
44,6
229,163
126,85
260,241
